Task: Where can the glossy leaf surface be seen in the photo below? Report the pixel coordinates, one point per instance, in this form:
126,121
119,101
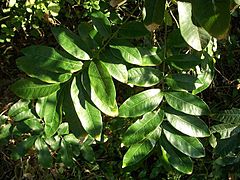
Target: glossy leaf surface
141,103
187,103
32,89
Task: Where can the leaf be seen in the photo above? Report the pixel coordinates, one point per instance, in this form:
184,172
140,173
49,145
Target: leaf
153,13
100,88
181,82
23,147
178,160
225,146
139,151
183,62
142,127
141,103
195,36
18,107
49,59
34,124
88,153
225,130
53,142
237,2
214,16
70,42
228,116
63,129
133,29
44,156
190,146
205,74
101,23
187,103
89,116
150,56
51,115
32,88
144,76
127,52
187,124
116,68
66,154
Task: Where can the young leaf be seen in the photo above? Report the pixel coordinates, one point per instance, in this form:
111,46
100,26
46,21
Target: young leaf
89,116
214,16
181,82
139,151
228,116
190,146
141,103
18,107
100,88
195,36
144,76
183,62
187,124
101,23
51,115
34,124
47,58
115,66
44,156
187,103
32,88
63,129
154,13
70,42
178,160
141,128
24,115
127,52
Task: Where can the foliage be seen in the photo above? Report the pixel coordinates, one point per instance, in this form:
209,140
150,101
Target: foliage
74,93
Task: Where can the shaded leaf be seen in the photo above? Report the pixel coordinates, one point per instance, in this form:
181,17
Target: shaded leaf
228,116
225,130
133,29
150,56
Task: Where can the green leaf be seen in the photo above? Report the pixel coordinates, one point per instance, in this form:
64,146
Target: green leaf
187,103
142,127
54,8
187,124
225,130
47,58
225,146
137,152
89,116
153,13
214,16
44,156
51,115
181,82
18,107
141,103
237,2
66,154
101,23
63,129
127,52
5,131
23,147
133,29
183,62
116,68
205,74
228,116
88,153
144,76
32,69
70,42
195,36
150,56
100,87
178,160
53,142
34,124
190,146
32,88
